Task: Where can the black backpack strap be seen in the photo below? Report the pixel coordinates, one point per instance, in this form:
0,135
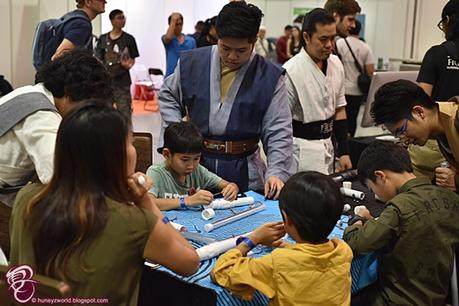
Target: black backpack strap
20,107
359,68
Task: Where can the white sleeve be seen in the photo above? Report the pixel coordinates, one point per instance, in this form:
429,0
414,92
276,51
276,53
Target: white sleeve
37,133
340,95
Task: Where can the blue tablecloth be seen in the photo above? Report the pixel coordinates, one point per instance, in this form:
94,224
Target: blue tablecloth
192,220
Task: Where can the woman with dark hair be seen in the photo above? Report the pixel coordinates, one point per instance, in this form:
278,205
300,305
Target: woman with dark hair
294,42
95,221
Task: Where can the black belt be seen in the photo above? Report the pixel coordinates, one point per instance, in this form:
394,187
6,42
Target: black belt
313,130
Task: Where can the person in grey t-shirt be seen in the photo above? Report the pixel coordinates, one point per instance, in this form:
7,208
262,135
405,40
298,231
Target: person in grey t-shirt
180,181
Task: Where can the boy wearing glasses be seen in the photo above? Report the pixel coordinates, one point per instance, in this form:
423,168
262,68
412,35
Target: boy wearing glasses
438,76
417,231
413,116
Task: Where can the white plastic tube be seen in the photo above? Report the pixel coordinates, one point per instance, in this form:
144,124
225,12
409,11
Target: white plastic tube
211,226
222,203
352,193
217,248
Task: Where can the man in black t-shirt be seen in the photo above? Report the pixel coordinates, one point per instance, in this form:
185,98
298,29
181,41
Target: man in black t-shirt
439,74
118,50
78,32
439,77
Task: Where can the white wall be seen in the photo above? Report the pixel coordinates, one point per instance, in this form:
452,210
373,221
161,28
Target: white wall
147,22
388,26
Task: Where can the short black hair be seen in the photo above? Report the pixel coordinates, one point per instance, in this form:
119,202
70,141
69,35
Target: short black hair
182,137
311,19
288,27
239,20
383,155
395,100
77,74
356,30
450,12
113,13
342,7
170,18
80,3
313,204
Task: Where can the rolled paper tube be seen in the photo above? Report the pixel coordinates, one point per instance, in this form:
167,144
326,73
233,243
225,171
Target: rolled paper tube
141,180
352,193
178,227
359,208
208,214
217,248
222,203
211,226
347,184
346,208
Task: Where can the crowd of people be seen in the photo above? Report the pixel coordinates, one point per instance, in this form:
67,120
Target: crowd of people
79,212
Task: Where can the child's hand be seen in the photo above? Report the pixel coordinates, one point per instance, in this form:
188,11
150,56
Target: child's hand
365,213
268,234
199,198
445,177
230,192
138,185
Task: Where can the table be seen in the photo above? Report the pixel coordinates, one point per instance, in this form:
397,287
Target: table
200,287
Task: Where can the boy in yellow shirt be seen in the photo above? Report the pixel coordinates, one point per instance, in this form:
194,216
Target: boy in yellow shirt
314,270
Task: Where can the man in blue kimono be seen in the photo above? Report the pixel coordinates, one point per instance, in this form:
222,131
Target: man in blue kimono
235,98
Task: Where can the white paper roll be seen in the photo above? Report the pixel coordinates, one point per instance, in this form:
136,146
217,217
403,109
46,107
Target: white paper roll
346,208
352,193
208,214
347,184
359,208
217,248
222,203
177,226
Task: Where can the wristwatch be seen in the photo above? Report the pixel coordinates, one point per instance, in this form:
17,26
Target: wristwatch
357,218
247,241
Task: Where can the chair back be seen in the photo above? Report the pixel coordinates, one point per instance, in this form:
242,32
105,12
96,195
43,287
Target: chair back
143,143
156,77
46,288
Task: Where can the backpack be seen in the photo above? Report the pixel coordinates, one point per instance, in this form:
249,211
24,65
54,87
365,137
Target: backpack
48,36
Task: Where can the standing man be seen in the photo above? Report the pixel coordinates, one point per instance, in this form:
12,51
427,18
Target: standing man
315,83
236,98
439,76
78,31
175,41
344,12
118,50
362,52
281,45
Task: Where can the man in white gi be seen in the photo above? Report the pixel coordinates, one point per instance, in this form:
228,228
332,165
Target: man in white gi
315,84
235,98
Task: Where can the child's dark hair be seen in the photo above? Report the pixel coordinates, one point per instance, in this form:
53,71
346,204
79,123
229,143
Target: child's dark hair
182,137
313,204
239,20
383,155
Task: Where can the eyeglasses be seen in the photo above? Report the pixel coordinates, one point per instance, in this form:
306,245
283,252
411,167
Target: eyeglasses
401,131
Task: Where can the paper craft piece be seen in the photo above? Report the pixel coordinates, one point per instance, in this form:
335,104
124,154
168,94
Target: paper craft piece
352,193
208,214
222,203
217,248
